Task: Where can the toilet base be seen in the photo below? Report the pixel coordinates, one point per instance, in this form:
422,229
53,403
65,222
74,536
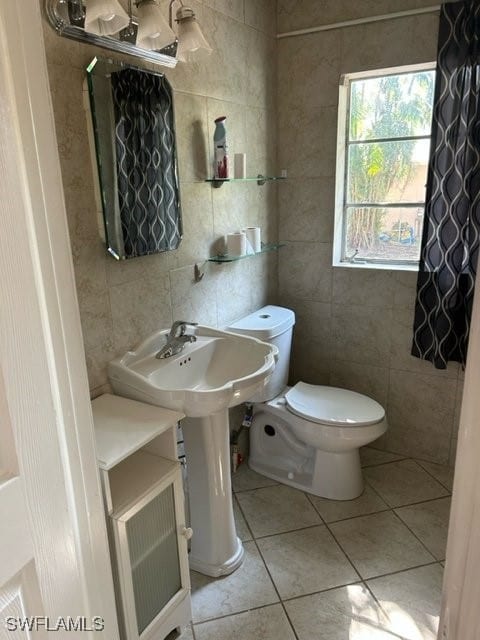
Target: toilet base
336,476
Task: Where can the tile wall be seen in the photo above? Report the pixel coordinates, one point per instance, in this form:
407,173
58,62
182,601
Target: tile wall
354,326
121,303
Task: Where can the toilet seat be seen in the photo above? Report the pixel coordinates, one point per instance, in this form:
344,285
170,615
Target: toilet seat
333,406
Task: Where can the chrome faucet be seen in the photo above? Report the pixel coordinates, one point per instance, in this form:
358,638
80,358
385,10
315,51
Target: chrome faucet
177,339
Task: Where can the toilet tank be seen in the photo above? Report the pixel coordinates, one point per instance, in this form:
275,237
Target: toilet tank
274,325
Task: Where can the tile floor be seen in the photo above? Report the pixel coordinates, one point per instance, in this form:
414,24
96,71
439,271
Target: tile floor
316,569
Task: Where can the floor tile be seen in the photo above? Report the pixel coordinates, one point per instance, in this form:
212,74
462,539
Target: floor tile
243,532
333,510
277,509
441,472
411,600
249,586
349,613
403,483
245,479
370,457
429,522
306,561
268,623
379,544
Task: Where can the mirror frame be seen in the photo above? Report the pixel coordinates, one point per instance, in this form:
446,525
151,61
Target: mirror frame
111,247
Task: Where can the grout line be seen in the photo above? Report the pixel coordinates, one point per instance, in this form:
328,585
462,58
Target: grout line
320,591
236,613
268,486
337,542
281,533
385,613
413,534
243,515
395,573
431,474
276,591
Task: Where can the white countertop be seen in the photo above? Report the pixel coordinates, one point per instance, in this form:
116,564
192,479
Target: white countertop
123,426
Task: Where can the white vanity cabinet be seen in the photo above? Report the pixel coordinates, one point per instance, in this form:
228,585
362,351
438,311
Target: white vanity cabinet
144,503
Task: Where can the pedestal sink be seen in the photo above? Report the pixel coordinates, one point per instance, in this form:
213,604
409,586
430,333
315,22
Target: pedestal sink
218,371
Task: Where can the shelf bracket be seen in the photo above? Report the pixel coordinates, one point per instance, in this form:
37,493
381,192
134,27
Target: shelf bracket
260,180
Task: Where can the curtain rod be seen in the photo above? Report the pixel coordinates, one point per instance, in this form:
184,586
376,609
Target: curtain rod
358,21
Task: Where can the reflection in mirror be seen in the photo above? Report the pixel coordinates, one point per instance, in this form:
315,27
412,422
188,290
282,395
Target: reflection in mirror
132,114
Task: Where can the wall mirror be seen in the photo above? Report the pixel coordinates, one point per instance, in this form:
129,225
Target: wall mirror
134,132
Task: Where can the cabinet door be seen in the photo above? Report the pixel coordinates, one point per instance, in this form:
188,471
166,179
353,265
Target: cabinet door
152,555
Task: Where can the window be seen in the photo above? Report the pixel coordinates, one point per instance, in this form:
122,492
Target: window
383,149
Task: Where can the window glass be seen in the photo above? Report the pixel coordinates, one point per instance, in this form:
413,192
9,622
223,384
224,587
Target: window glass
384,161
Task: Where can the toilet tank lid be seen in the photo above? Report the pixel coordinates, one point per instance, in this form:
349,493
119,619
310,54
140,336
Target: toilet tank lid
266,323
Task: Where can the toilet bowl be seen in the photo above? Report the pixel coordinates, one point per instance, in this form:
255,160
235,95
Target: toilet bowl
307,436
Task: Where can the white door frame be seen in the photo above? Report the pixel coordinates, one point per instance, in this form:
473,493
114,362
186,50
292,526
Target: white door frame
65,408
460,618
50,250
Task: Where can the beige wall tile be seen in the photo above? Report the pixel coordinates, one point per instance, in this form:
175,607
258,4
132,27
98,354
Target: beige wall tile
259,143
231,8
362,378
309,70
306,210
420,413
405,289
312,341
300,14
305,271
362,334
390,43
262,15
308,141
194,144
261,70
139,308
366,287
121,271
193,301
197,218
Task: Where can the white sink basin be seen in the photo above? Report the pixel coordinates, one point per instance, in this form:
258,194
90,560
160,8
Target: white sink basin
219,370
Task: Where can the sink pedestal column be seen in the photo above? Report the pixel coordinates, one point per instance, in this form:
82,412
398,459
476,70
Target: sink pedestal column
215,550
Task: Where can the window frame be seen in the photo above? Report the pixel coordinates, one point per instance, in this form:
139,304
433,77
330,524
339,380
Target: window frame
341,176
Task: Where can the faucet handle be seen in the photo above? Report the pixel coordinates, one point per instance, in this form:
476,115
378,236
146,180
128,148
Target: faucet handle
182,325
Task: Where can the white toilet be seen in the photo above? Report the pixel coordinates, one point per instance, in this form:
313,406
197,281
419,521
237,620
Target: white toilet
307,436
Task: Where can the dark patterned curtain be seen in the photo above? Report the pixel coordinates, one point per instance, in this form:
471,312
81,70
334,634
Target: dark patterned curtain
146,168
450,241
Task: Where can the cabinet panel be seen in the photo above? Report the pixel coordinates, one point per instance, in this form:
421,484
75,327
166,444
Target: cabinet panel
154,558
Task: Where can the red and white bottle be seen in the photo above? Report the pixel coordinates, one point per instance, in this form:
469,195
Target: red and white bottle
220,147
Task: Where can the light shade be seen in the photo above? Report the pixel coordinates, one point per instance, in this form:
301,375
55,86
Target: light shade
190,36
105,17
154,32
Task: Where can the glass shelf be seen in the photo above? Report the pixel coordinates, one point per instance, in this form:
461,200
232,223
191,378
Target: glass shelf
222,259
260,180
265,249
